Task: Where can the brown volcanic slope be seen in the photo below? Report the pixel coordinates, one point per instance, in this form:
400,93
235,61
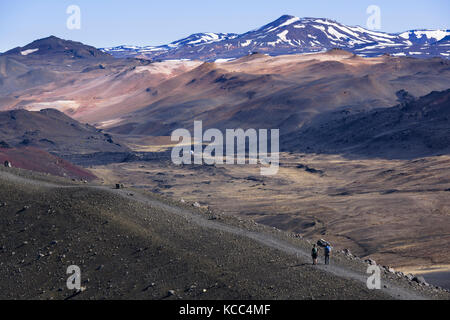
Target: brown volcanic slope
55,132
394,211
78,79
140,97
45,61
35,159
281,92
415,128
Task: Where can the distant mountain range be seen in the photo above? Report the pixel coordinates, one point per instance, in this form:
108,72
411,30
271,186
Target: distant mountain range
145,97
290,35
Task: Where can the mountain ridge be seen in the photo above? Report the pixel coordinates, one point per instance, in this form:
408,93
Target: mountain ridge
56,46
289,35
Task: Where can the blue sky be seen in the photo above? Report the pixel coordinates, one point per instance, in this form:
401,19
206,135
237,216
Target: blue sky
139,22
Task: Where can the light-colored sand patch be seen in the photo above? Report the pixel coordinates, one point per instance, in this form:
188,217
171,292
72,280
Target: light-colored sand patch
106,175
169,67
265,63
61,105
108,123
29,51
424,269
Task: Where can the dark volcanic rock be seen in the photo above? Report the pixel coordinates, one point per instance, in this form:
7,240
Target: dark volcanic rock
414,128
419,280
3,144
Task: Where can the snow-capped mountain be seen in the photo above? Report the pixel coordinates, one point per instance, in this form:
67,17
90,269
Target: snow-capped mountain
202,38
289,35
193,40
424,36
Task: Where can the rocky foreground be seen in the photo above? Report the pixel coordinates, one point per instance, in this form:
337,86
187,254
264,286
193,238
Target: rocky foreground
132,245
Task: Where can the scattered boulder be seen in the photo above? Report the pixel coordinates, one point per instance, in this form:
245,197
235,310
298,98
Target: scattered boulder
309,169
420,280
25,208
4,145
171,293
82,289
255,179
404,96
323,243
371,262
196,204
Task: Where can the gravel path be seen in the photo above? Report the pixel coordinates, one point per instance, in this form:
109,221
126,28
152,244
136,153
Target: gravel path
270,241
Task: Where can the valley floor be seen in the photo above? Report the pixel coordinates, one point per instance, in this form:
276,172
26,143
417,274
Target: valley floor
394,211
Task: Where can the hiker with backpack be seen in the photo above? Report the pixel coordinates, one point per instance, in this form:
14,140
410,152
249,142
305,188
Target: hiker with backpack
314,254
327,254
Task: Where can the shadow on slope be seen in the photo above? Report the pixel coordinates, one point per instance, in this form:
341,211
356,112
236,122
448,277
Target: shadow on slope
414,128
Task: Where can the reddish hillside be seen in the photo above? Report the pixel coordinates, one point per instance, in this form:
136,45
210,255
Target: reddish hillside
54,132
35,159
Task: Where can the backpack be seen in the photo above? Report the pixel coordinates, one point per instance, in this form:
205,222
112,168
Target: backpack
327,250
314,251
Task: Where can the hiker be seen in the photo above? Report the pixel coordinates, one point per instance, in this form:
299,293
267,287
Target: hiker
8,164
327,254
314,254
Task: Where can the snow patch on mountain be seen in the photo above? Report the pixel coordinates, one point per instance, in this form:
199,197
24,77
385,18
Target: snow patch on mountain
429,34
29,51
293,35
288,22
